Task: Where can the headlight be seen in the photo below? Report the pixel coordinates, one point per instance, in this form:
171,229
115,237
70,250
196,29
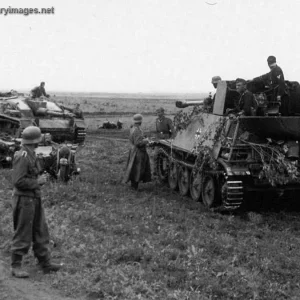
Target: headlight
8,158
63,161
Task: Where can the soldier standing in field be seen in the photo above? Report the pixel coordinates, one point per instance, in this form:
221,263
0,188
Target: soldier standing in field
39,91
29,221
138,163
164,126
276,80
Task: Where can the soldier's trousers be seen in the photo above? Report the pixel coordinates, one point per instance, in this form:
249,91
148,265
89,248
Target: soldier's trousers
30,227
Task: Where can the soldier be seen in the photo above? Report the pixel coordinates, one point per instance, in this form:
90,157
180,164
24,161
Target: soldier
164,126
29,221
215,80
210,100
247,104
138,163
39,91
276,79
77,111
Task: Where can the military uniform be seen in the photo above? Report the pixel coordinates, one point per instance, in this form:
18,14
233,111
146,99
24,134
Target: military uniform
164,128
138,164
38,92
276,80
28,213
247,103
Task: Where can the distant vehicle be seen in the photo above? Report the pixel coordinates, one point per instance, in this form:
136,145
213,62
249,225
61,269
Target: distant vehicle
111,125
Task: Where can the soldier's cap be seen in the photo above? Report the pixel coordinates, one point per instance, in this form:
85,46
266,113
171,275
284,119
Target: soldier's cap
31,135
271,59
137,118
43,82
161,109
240,80
216,79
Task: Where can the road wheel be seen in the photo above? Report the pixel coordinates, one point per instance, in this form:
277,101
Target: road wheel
162,164
173,176
196,186
184,181
210,194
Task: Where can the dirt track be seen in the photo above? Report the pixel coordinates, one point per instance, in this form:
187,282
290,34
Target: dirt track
24,289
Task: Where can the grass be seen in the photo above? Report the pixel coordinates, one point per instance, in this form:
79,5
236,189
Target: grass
116,243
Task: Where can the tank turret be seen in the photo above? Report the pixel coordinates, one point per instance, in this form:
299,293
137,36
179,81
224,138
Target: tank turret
223,158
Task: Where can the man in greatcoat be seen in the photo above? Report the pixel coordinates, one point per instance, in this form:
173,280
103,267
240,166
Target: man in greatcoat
138,163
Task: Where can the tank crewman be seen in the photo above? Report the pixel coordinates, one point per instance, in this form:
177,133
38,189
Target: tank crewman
164,126
276,79
77,111
247,104
39,91
209,101
29,221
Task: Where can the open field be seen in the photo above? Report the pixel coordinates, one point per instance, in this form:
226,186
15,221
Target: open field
106,104
116,243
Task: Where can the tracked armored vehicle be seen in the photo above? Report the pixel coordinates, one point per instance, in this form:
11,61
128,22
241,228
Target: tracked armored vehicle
224,159
9,129
62,124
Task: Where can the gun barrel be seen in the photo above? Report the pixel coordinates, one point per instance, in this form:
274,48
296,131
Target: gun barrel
186,103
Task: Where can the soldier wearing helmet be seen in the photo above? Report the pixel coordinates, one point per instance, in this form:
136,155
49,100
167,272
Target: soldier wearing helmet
29,221
138,163
164,125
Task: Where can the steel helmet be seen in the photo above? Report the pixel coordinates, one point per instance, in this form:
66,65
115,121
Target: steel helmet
31,135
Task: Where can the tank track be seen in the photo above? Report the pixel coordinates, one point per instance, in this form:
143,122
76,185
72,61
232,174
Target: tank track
80,135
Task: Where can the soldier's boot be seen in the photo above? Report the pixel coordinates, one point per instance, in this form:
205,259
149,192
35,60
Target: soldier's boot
48,266
134,185
16,267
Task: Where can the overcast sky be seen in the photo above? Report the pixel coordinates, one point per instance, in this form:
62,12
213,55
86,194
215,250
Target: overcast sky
146,45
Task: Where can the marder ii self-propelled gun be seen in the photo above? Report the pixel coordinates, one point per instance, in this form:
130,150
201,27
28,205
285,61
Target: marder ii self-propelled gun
221,158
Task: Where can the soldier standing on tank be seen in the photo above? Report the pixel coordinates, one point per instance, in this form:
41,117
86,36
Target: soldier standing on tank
247,104
77,111
276,79
29,221
39,91
164,125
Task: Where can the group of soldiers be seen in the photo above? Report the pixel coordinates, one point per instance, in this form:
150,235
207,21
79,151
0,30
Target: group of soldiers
247,104
29,222
138,164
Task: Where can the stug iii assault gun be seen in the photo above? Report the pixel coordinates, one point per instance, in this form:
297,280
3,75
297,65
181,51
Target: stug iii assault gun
224,159
63,125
